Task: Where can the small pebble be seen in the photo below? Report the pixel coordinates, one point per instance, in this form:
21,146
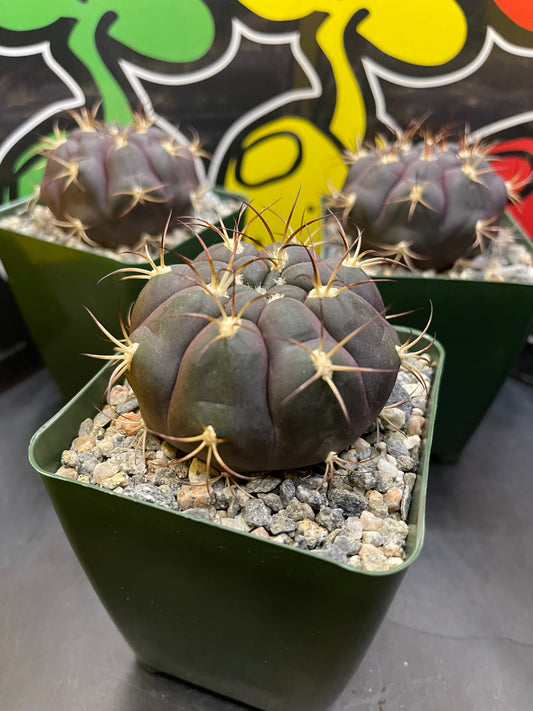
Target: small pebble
198,472
67,472
83,444
393,499
393,534
412,441
117,480
287,491
105,470
260,532
299,510
372,558
373,537
396,448
349,545
262,485
406,463
309,534
202,514
409,480
273,501
352,503
394,562
194,495
86,463
238,524
119,395
394,417
376,503
354,527
415,425
355,561
330,519
361,446
370,522
256,513
69,458
222,496
281,523
104,417
314,497
86,427
150,494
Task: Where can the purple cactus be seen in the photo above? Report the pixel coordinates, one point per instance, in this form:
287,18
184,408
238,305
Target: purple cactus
426,204
260,358
111,185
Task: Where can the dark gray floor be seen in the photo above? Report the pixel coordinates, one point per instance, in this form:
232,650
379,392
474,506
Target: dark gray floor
459,636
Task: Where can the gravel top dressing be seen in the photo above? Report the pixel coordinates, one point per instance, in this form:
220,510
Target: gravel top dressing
38,221
504,258
505,261
354,513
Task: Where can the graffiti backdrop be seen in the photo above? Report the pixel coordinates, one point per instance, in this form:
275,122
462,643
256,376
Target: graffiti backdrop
276,90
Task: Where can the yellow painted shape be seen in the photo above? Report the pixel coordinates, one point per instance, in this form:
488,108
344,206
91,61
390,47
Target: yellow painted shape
281,9
416,31
349,117
268,177
348,123
259,163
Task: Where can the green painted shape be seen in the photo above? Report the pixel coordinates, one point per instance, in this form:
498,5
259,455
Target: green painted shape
82,43
21,16
168,30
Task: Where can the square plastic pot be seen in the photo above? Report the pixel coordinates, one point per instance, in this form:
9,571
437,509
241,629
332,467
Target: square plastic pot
52,284
482,326
170,581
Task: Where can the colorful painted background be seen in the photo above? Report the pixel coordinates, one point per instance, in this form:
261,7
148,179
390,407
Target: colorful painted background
276,90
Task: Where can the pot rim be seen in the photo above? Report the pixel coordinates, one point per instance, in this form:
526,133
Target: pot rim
418,502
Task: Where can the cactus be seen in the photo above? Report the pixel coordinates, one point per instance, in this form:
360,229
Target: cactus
259,359
425,203
111,185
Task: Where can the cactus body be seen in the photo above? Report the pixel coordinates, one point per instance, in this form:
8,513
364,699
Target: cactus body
113,185
282,356
426,204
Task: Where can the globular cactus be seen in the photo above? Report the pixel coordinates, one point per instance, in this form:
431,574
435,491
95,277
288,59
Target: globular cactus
425,203
259,359
111,185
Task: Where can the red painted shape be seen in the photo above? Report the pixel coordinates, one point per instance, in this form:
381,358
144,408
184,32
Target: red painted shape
513,160
520,11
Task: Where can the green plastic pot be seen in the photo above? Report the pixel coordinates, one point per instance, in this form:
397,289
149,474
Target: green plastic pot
300,624
53,283
482,326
